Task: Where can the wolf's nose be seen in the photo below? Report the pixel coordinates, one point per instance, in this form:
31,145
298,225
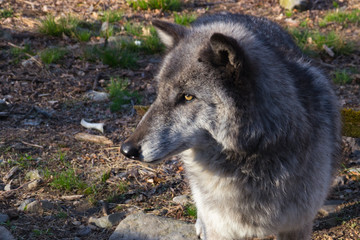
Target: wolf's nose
130,150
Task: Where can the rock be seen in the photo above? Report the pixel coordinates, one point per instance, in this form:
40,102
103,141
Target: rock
97,96
141,226
291,4
329,207
24,204
33,206
5,234
11,173
8,186
83,231
33,175
107,221
182,199
3,105
34,184
3,218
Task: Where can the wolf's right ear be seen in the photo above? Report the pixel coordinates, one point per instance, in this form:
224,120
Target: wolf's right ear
169,33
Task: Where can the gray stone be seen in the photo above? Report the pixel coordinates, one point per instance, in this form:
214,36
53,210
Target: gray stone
31,205
24,204
4,218
5,234
83,231
107,221
330,206
141,226
97,96
182,199
34,184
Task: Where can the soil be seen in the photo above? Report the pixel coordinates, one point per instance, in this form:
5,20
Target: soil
45,104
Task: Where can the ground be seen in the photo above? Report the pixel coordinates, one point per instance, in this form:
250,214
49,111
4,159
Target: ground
44,101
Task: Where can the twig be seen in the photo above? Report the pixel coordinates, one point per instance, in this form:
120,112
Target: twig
31,144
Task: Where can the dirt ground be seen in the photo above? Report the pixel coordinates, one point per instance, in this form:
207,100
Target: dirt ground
44,104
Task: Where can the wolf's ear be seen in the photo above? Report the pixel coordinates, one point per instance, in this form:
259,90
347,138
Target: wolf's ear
169,33
225,51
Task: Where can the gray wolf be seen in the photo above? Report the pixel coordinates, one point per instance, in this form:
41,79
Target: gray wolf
255,122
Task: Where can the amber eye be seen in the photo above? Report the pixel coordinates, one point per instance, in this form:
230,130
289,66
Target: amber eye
188,97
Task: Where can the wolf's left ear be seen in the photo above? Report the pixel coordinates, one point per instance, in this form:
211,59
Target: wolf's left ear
225,51
169,33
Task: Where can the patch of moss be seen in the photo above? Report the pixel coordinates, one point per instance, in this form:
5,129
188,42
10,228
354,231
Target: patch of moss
351,123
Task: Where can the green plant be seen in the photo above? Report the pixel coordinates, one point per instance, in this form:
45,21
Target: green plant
132,29
83,35
190,210
111,16
50,27
105,176
52,55
117,57
39,232
342,77
152,44
120,95
311,42
67,180
6,13
20,53
341,17
184,19
62,214
351,123
288,13
165,5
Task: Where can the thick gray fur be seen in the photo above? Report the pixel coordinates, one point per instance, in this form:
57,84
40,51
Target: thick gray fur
261,137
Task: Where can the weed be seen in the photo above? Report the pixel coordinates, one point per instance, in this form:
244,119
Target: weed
122,187
52,55
19,54
288,13
50,27
185,19
61,214
107,31
6,13
152,44
190,210
335,4
165,5
115,57
132,29
342,77
111,16
311,42
83,35
39,232
120,95
105,177
68,181
343,17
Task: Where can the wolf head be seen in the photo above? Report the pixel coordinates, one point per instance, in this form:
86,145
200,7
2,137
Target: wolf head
206,87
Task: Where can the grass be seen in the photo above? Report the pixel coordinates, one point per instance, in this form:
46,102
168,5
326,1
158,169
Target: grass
6,13
111,16
341,17
190,210
69,26
19,54
351,123
67,181
52,55
342,77
120,95
184,19
311,42
23,161
132,29
165,5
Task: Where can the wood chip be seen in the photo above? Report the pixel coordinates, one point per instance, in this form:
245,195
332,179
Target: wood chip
93,138
72,197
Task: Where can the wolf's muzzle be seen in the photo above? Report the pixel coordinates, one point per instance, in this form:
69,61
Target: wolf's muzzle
130,150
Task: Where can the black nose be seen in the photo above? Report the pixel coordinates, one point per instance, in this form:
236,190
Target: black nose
130,150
